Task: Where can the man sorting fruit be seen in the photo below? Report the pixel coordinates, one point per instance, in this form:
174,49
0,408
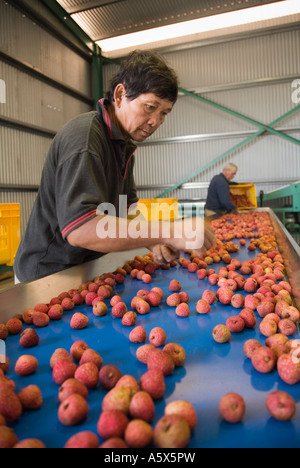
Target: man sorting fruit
218,198
90,164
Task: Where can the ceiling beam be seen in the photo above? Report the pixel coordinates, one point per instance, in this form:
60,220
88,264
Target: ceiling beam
92,4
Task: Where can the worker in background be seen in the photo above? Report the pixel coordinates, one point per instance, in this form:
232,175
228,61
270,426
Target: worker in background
90,163
218,198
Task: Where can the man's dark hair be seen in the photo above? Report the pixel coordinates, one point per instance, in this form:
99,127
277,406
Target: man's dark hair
145,72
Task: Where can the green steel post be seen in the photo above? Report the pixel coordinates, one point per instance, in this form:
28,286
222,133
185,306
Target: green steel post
68,21
240,116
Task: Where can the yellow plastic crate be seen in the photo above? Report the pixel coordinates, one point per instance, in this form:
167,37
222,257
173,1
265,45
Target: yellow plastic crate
10,232
159,209
240,193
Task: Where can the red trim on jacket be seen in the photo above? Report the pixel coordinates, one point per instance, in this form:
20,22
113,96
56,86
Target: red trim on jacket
77,222
127,164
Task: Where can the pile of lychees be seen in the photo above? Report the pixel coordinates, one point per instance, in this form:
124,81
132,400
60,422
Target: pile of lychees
268,296
129,406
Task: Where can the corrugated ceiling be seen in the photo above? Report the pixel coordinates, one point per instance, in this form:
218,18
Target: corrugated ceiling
102,19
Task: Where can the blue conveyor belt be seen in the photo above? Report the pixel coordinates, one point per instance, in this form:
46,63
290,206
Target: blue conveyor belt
211,370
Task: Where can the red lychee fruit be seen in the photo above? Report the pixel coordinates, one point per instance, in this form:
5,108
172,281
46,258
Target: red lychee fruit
183,310
232,408
14,326
40,320
176,352
130,382
172,431
221,334
119,310
157,359
281,406
8,437
142,307
288,369
184,297
10,405
138,335
42,308
268,327
250,347
175,286
251,302
237,301
209,296
154,299
264,360
185,409
62,371
90,355
153,382
71,386
113,442
89,297
109,376
112,424
138,434
3,332
143,352
87,374
235,324
203,307
77,349
157,337
60,354
29,338
56,312
30,444
118,398
173,300
27,316
26,365
99,309
83,440
79,321
73,410
225,295
249,317
142,406
287,327
129,319
31,397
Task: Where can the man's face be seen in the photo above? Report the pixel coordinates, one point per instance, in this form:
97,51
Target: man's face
230,173
142,116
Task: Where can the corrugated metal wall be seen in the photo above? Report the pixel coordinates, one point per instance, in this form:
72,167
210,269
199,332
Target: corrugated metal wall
48,82
252,75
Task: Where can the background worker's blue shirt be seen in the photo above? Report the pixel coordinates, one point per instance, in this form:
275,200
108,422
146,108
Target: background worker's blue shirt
218,197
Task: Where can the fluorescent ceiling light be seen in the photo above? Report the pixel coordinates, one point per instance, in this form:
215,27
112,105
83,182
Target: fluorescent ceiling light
201,25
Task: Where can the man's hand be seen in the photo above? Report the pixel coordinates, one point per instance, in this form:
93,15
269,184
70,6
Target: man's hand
164,254
192,234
